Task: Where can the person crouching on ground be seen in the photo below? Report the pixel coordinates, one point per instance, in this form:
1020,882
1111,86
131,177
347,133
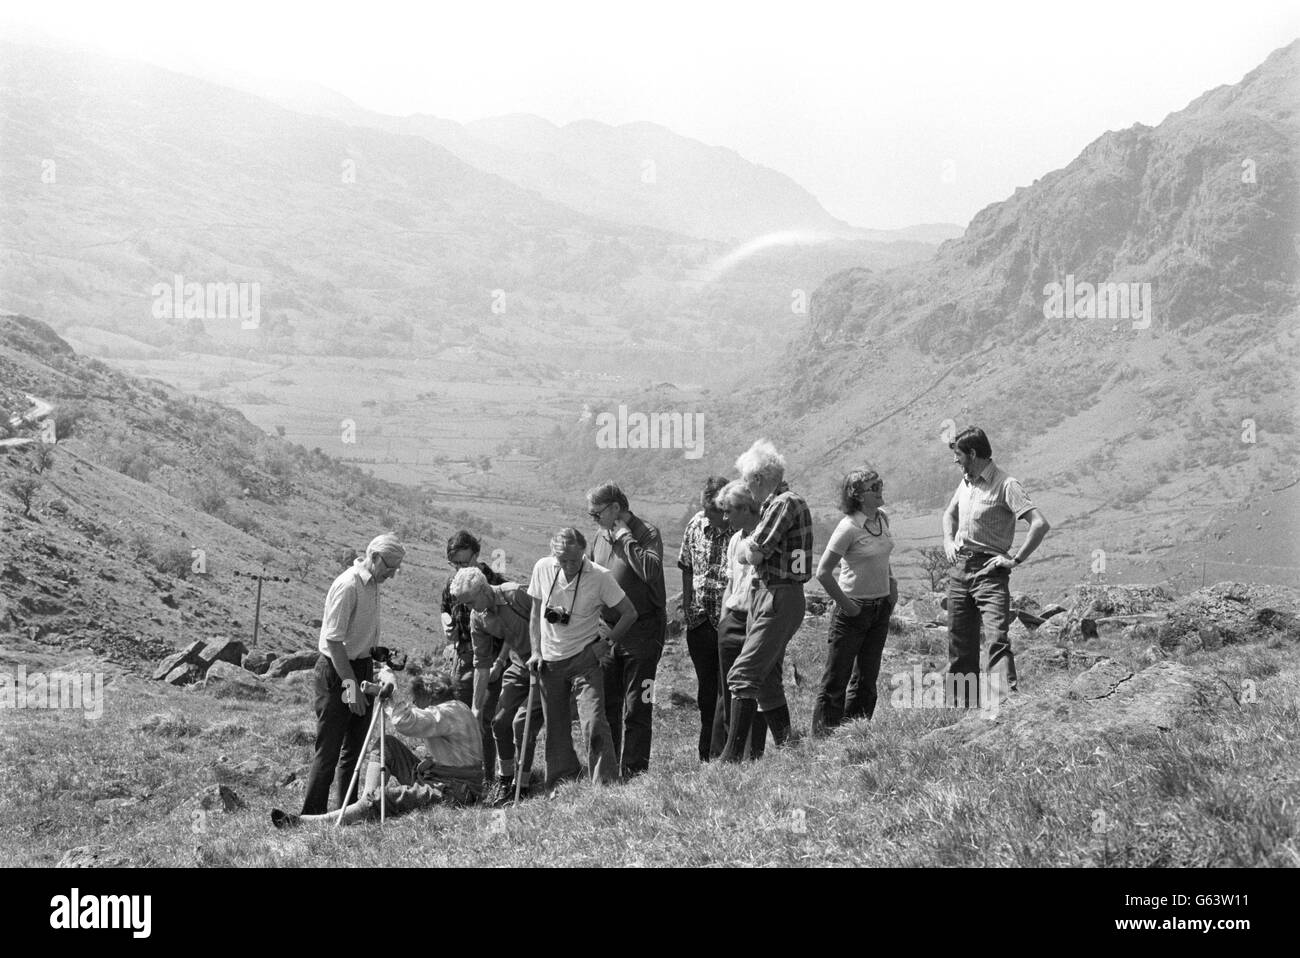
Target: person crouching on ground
448,772
864,595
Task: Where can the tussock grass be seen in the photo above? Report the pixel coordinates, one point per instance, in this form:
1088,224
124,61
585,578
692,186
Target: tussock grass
1220,789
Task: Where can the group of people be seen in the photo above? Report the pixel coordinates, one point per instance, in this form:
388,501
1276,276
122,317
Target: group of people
588,628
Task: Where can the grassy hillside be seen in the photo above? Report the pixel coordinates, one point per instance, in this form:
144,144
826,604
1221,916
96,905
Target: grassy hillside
1152,781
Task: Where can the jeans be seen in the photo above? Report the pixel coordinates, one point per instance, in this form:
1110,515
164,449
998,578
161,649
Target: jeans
340,735
629,693
775,614
702,644
578,675
509,720
856,644
978,601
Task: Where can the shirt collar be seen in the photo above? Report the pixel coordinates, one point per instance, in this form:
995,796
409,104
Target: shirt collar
362,572
984,475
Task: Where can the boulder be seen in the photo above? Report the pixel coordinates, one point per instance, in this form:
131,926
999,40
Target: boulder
188,654
230,681
1113,625
258,662
92,856
1024,602
186,673
1099,681
224,650
1285,622
1052,610
296,662
1107,701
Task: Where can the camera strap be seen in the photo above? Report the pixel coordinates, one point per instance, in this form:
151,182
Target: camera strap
576,583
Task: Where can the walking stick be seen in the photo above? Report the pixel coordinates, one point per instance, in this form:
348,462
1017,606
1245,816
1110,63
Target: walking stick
357,771
528,728
381,694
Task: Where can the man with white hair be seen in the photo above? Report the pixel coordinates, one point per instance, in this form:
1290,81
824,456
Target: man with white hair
349,630
780,550
498,626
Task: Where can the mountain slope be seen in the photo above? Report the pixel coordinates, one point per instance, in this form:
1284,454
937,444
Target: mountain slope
1136,441
119,177
140,479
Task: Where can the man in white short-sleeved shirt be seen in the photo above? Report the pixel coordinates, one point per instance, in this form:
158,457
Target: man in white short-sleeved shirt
568,592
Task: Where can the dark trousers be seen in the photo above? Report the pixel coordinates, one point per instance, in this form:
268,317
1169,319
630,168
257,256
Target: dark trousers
629,694
485,727
731,639
979,601
702,643
508,722
577,677
856,643
340,736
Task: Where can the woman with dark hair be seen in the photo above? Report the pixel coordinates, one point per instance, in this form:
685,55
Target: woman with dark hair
864,592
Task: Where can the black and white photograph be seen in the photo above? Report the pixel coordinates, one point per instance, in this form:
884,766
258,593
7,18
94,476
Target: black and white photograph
659,435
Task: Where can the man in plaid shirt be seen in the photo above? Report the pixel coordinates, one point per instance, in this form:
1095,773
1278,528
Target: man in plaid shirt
703,561
780,550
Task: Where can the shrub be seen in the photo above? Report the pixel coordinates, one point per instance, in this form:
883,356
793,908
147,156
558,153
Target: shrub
173,560
42,457
68,417
211,501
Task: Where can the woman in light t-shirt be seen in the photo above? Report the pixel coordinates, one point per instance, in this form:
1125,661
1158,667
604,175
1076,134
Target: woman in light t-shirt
864,592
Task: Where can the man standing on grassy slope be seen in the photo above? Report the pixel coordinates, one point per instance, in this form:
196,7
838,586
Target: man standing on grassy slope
349,630
569,592
979,526
702,559
499,630
633,551
450,772
780,550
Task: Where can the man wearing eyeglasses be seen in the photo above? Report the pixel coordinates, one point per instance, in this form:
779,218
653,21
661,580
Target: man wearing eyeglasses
349,630
569,592
633,551
979,527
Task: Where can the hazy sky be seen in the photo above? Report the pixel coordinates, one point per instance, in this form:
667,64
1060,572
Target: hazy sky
893,115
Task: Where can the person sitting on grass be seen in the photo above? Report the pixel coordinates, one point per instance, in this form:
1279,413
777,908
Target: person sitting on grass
450,772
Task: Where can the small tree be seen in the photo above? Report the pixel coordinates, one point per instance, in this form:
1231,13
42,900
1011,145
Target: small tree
935,563
303,564
24,489
42,457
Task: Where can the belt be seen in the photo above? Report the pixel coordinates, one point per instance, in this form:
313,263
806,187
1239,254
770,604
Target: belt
969,554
